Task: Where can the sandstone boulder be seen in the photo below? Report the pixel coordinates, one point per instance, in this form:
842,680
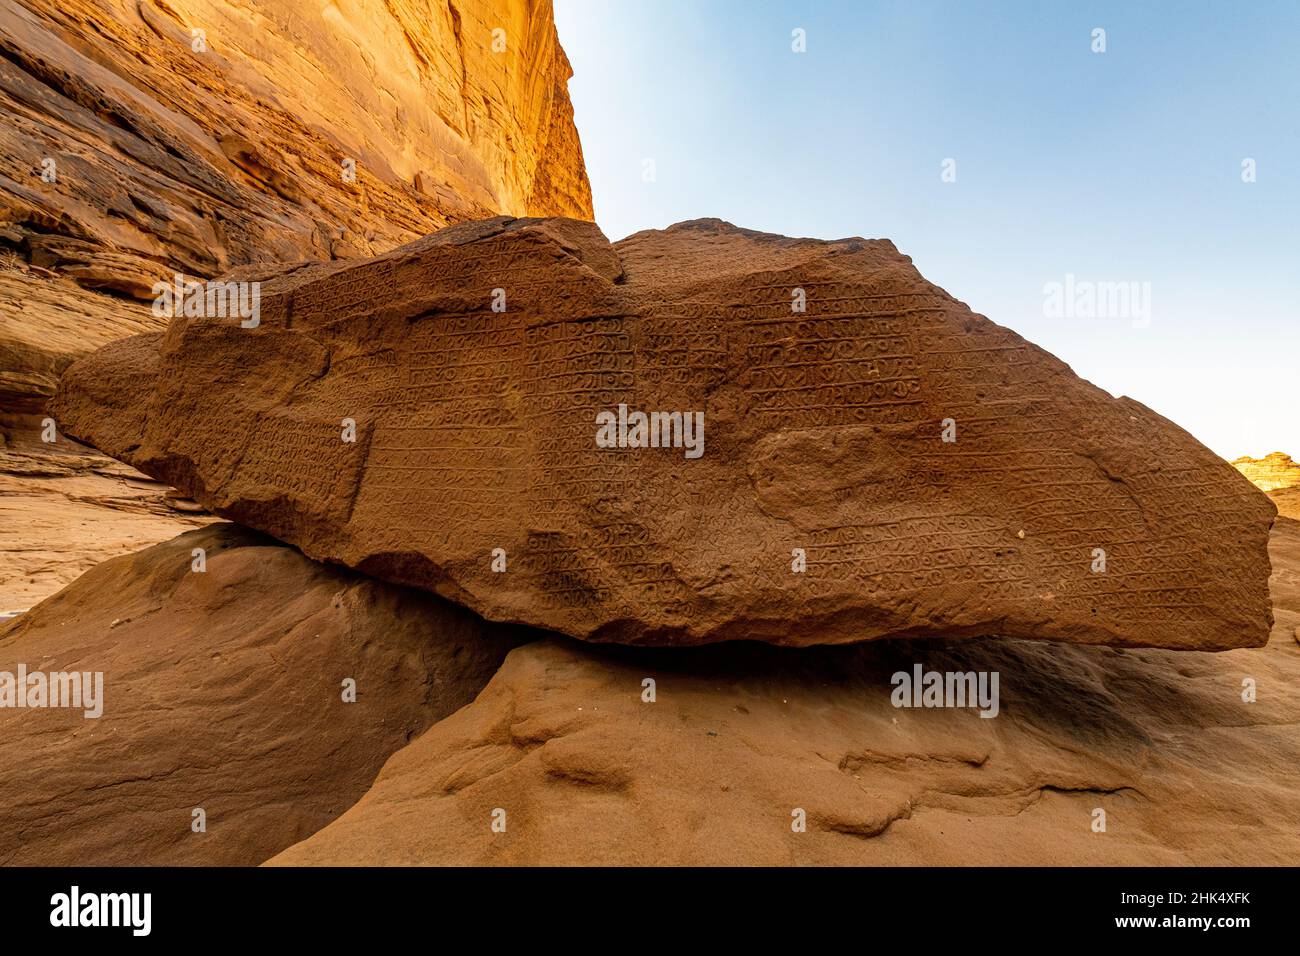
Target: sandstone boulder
144,139
563,748
222,691
838,450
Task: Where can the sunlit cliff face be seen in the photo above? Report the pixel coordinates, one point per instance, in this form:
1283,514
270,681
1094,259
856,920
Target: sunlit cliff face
1274,472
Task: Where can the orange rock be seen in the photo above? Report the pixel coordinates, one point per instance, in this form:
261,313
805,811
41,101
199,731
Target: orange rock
1274,472
142,139
64,509
145,139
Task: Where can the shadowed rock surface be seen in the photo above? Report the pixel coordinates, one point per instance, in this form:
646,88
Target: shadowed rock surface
222,690
476,430
47,321
739,737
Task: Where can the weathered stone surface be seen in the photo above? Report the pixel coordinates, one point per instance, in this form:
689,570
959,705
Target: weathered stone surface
1278,476
1287,501
131,151
739,738
63,508
476,430
222,690
201,159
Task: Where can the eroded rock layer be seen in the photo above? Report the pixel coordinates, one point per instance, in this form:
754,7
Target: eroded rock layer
47,321
773,757
203,134
222,691
868,457
64,509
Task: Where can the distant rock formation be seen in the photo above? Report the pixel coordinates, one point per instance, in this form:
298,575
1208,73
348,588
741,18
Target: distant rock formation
223,691
733,756
1274,472
695,435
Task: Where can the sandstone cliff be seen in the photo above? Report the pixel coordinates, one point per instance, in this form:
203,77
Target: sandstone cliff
1277,475
1274,472
142,138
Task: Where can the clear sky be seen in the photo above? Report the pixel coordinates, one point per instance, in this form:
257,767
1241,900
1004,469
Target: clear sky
1117,167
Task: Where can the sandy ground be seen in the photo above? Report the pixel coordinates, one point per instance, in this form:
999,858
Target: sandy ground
742,744
65,508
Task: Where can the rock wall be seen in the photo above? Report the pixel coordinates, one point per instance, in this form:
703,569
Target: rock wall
142,138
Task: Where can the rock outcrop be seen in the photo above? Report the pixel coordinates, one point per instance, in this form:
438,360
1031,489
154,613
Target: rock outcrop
1278,476
145,138
839,450
1274,472
1287,501
740,745
223,691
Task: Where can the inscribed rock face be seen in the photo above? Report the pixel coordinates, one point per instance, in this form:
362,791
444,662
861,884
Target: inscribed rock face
833,448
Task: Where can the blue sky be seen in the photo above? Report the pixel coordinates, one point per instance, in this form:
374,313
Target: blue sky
1122,166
